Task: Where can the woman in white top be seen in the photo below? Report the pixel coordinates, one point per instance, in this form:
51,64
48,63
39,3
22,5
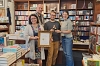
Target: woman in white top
31,36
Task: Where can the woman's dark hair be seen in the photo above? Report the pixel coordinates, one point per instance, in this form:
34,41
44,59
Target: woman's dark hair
30,18
66,12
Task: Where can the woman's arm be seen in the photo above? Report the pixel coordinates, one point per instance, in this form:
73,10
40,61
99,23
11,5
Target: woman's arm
66,31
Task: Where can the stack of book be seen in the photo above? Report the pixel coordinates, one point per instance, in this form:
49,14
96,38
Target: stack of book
15,49
7,58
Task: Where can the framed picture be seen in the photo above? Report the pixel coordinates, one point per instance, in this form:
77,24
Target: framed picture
44,38
1,3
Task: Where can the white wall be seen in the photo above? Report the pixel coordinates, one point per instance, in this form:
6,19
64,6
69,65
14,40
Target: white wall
11,6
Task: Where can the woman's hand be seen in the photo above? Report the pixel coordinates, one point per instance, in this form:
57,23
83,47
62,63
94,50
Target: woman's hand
57,31
35,37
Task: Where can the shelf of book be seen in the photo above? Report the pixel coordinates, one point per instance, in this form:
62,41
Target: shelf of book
80,14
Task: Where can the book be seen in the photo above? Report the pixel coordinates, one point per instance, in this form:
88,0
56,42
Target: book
7,58
92,62
4,41
52,6
92,40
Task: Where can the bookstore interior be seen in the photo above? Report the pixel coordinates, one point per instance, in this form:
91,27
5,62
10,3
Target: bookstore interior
14,16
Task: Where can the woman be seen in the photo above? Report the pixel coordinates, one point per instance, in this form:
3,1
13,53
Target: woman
31,36
66,33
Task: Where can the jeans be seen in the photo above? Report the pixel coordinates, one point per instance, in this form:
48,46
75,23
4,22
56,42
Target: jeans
67,44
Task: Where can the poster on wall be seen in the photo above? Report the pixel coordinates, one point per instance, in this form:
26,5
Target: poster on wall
1,3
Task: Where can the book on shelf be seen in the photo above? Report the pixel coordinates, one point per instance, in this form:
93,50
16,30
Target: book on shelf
98,40
21,17
72,13
91,18
48,7
33,6
4,20
4,41
25,6
66,5
83,12
21,12
83,33
72,17
83,29
92,40
98,18
3,33
83,23
21,6
93,29
31,12
3,26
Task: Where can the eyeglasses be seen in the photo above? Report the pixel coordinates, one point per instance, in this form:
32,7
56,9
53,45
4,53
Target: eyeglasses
53,15
33,18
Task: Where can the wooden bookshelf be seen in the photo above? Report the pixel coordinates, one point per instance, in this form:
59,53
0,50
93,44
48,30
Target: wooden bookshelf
79,13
